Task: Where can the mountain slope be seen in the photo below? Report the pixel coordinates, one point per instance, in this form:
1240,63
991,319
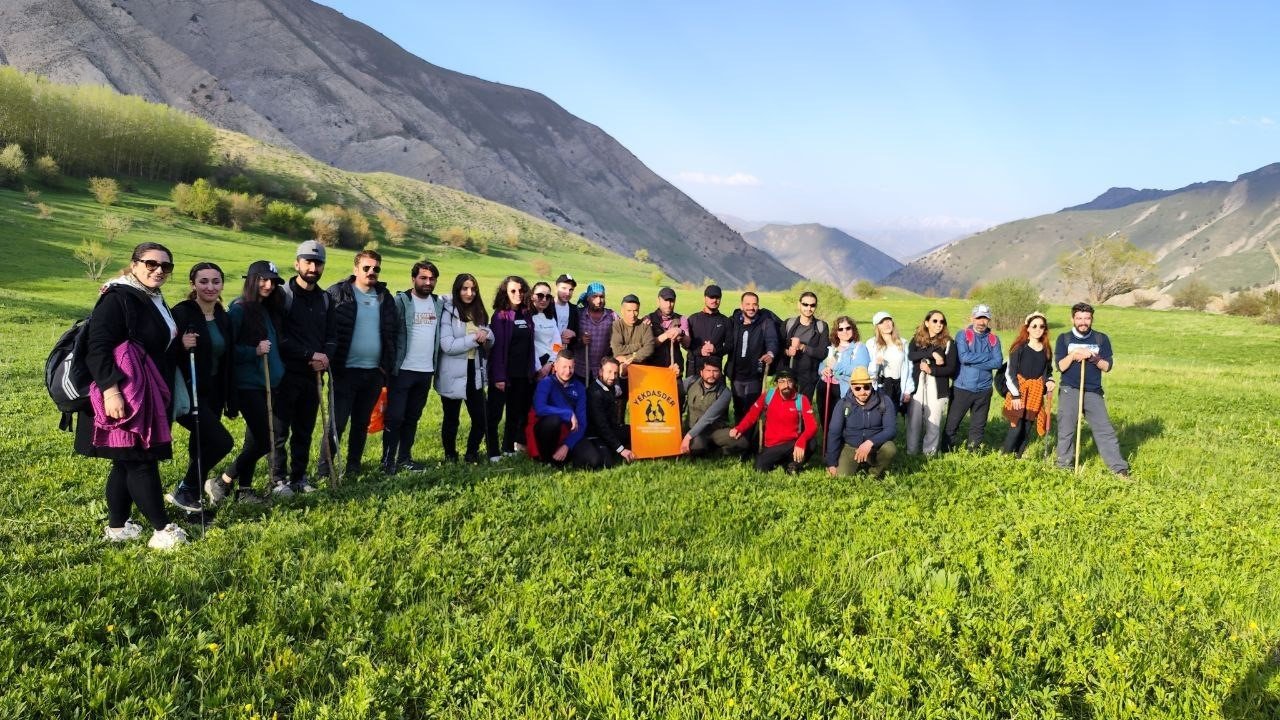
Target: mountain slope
1217,232
823,253
301,75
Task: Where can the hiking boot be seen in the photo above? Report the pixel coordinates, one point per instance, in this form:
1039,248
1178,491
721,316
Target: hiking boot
413,467
185,499
130,531
387,468
281,489
217,489
246,496
472,458
168,538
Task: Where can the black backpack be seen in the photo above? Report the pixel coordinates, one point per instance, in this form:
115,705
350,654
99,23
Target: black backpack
66,376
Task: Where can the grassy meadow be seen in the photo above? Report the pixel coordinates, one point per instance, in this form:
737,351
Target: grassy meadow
971,586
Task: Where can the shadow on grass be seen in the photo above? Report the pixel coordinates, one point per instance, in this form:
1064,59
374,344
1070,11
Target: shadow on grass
1250,697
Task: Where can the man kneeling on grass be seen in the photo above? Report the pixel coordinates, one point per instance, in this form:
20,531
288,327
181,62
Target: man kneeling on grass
789,425
560,406
861,430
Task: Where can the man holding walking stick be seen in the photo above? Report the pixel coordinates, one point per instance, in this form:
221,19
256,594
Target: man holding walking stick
1083,355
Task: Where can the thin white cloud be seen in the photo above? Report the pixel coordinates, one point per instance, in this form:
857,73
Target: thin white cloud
738,179
1262,121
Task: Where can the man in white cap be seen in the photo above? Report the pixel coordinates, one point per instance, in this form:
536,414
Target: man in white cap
980,354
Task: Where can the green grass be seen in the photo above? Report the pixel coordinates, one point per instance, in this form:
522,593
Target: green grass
969,586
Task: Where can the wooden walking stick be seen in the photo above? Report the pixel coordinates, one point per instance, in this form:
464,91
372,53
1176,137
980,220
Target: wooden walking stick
1048,431
326,452
1079,416
271,418
764,410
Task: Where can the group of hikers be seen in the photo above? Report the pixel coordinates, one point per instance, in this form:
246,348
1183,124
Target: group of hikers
539,371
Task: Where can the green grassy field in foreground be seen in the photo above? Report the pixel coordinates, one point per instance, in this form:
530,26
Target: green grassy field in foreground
969,586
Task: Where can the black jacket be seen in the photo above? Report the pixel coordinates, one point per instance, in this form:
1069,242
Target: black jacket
215,391
602,417
342,318
663,349
945,372
852,424
124,313
305,327
743,362
703,327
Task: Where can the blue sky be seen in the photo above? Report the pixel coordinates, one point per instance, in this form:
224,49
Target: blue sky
865,115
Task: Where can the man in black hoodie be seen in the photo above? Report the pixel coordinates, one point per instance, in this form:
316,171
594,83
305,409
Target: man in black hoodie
610,437
361,350
302,347
753,345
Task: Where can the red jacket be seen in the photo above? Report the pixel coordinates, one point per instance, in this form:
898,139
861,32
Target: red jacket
783,423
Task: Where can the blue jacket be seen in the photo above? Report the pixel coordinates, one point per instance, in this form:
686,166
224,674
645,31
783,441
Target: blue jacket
852,424
979,354
564,401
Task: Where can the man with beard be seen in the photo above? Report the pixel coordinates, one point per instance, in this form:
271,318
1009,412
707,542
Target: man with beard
708,332
418,311
979,351
753,344
805,342
362,347
595,328
566,311
705,399
669,330
789,425
630,340
609,436
1085,347
303,340
863,425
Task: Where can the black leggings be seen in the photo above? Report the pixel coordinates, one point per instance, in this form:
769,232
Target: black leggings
515,401
257,436
214,443
135,482
452,408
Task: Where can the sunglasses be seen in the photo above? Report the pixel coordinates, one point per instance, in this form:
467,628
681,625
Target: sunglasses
860,387
515,291
937,321
844,328
542,296
805,304
374,269
1036,326
153,265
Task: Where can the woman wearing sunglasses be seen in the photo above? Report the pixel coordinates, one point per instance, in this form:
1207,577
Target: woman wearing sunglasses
1029,378
934,362
511,367
546,329
130,356
843,355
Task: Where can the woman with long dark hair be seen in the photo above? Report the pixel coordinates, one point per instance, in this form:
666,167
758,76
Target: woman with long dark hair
206,336
934,360
511,366
255,325
546,328
1029,379
889,365
130,339
462,371
834,371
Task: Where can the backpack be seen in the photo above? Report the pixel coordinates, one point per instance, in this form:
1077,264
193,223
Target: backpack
768,398
66,377
793,322
1001,388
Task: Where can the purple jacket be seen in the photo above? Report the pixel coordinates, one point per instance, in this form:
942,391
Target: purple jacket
503,324
146,397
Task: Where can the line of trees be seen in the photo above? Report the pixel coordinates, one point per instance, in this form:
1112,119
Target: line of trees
93,130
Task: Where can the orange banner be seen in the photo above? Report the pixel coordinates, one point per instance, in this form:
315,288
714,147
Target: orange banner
653,406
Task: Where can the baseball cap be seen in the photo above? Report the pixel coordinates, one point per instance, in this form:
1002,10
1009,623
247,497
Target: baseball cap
567,278
264,268
667,293
311,250
982,311
712,291
882,315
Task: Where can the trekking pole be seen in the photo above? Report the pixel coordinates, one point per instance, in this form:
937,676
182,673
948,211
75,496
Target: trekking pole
271,418
1048,432
326,453
1079,416
195,423
826,415
333,426
764,410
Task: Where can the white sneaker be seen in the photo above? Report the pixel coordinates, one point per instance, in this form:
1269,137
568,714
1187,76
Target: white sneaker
130,531
495,458
168,538
281,489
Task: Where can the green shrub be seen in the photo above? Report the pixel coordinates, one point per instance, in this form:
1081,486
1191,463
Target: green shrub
242,210
13,165
285,217
865,290
47,171
105,190
831,302
95,256
1246,304
393,227
1010,301
199,200
113,226
1193,295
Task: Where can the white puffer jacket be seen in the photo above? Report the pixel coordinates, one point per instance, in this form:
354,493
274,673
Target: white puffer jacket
455,343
